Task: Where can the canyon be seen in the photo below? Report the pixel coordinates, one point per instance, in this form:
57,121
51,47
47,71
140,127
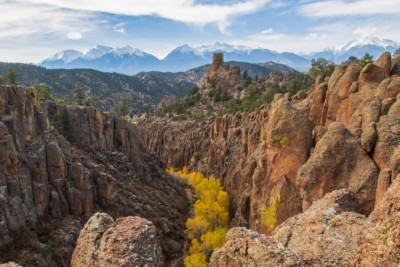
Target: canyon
49,186
285,167
313,178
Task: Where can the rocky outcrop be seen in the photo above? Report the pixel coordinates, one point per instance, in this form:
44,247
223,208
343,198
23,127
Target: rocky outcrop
288,135
342,95
338,161
331,228
342,138
220,79
67,162
319,96
247,248
10,264
380,246
129,241
387,152
256,156
327,234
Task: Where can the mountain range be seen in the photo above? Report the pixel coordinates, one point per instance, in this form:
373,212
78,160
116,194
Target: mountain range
129,60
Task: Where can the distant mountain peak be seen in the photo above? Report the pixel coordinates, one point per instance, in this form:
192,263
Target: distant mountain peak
66,56
96,52
127,50
222,47
184,49
367,41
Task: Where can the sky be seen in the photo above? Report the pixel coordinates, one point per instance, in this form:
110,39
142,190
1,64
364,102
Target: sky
32,30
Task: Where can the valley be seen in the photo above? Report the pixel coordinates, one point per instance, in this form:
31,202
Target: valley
288,157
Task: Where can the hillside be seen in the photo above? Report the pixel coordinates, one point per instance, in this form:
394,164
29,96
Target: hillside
146,89
230,87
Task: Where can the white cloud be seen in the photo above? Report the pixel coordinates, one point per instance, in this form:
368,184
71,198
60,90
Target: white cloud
364,31
267,31
119,28
286,43
21,19
74,35
334,8
187,11
323,36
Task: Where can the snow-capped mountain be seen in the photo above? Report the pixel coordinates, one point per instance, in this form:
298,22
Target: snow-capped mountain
129,60
96,52
367,41
66,56
186,57
126,60
358,48
223,47
60,59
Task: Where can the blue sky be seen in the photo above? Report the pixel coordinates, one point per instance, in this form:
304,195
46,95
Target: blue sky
31,30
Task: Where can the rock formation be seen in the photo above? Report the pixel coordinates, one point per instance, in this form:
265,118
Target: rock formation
327,234
338,161
320,168
221,79
129,241
342,136
50,185
380,246
247,248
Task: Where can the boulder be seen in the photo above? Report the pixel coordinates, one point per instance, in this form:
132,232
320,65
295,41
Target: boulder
380,247
318,103
372,73
396,67
386,153
244,247
130,241
338,161
389,88
342,97
10,264
385,62
328,233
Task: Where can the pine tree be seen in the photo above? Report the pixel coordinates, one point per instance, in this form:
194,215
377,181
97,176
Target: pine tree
1,79
79,95
366,60
12,77
124,107
396,53
66,122
321,67
92,100
44,90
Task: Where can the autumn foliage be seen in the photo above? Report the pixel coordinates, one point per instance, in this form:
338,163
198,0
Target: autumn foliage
208,228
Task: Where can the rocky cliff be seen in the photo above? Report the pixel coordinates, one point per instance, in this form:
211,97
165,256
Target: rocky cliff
49,185
277,161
